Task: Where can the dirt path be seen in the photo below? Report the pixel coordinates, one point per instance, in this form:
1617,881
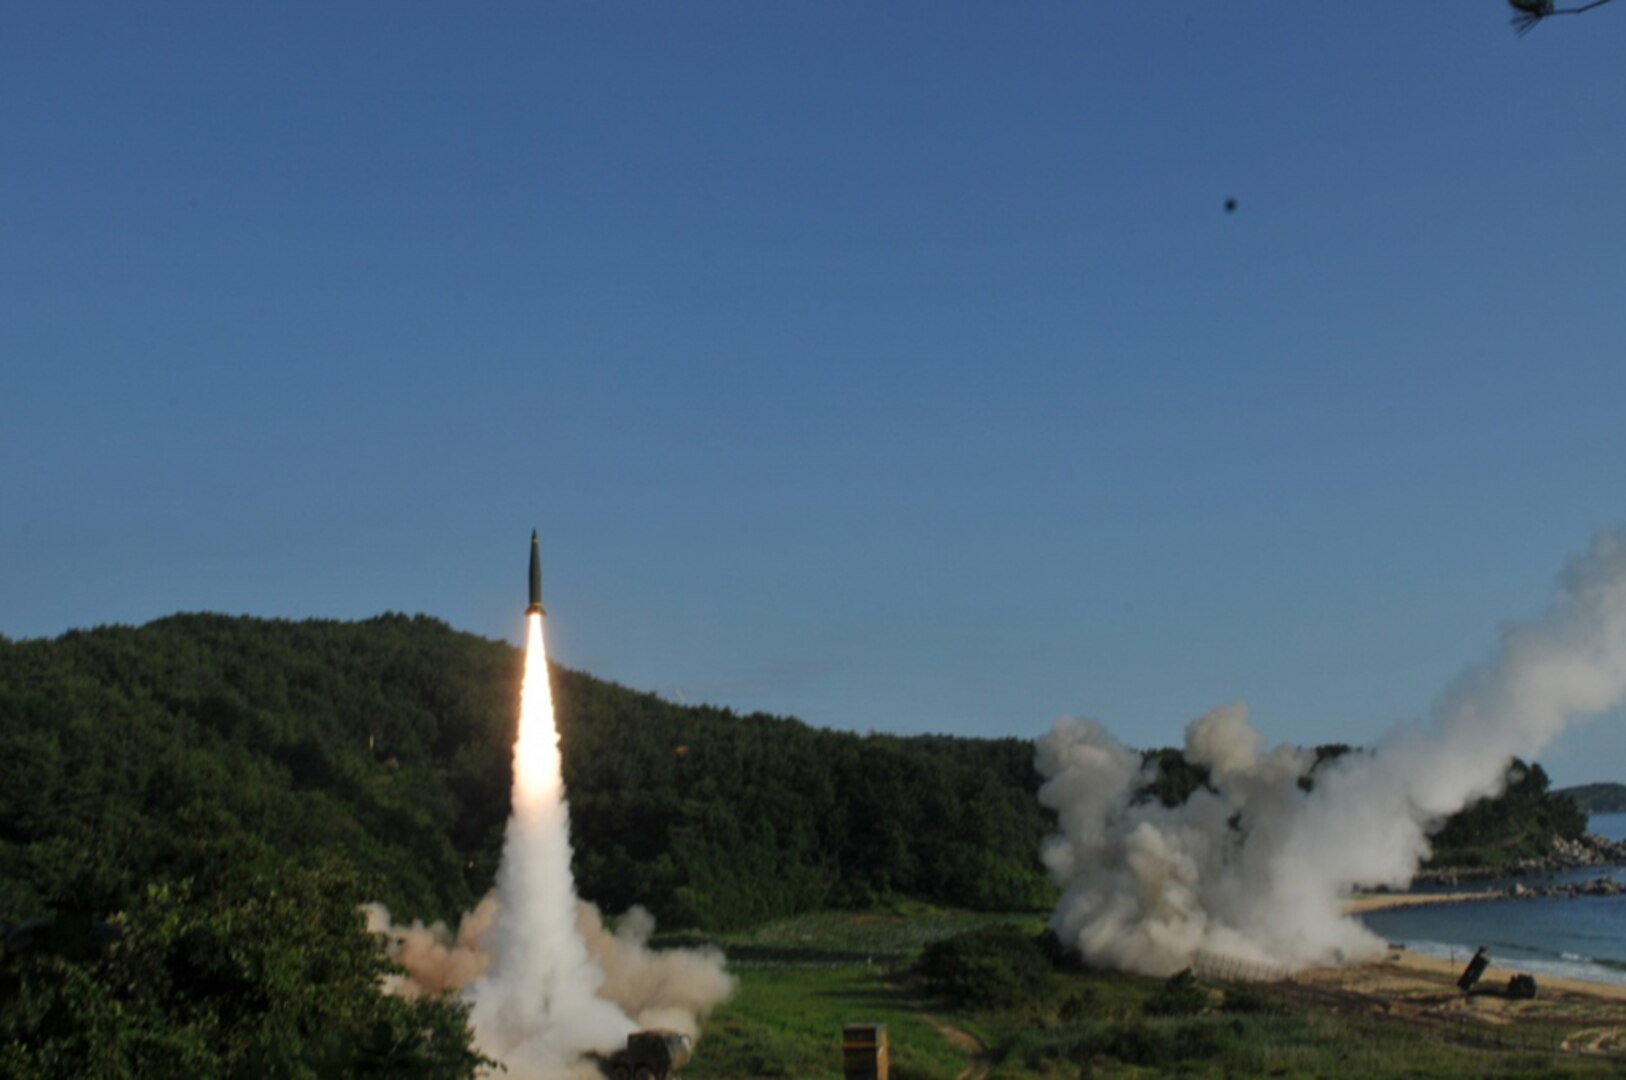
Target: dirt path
977,1067
1598,1040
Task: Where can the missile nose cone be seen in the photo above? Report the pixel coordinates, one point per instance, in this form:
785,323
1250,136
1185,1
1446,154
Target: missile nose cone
536,578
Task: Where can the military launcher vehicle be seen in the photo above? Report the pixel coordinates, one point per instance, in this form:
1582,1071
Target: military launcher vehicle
648,1055
1476,968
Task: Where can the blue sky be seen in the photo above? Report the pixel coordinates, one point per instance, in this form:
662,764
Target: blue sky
895,366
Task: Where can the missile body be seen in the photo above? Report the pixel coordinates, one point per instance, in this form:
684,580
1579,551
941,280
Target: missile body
536,578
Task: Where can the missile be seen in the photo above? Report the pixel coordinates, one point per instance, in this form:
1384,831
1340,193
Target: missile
536,578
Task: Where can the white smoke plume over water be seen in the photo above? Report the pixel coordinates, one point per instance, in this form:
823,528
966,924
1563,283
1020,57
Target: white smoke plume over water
546,982
1258,868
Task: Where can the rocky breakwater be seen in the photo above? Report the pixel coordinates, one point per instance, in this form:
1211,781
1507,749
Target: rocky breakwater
1598,886
1590,850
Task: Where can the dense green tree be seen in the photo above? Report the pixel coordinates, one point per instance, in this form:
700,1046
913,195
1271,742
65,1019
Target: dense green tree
996,967
1520,822
247,974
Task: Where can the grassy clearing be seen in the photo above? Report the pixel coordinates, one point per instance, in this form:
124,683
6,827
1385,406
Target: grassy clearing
1294,1045
802,979
844,937
1103,1024
786,1021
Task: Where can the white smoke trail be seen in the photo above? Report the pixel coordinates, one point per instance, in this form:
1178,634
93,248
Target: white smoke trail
537,1007
1258,868
546,983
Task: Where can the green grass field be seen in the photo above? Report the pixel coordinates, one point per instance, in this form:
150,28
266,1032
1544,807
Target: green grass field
802,979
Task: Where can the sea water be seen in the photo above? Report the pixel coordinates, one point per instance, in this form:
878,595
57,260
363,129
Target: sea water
1609,826
1582,937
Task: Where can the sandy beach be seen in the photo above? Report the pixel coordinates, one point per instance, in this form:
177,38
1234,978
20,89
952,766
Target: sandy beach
1413,982
1404,975
1589,1018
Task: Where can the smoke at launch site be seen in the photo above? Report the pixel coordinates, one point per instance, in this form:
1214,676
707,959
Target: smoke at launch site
1256,868
546,982
666,989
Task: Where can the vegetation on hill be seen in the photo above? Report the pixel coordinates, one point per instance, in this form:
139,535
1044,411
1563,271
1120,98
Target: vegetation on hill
716,820
387,744
232,972
168,792
196,808
1597,798
190,814
1520,823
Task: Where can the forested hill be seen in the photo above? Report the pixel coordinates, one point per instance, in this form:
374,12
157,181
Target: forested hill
131,756
192,811
138,756
1598,798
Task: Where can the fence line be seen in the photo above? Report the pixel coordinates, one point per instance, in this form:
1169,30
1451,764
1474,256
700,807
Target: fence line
1220,968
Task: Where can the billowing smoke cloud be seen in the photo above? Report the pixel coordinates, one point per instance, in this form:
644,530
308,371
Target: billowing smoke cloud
436,960
1257,868
546,983
668,989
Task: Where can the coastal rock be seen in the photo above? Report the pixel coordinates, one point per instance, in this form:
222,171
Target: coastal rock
1598,886
1589,851
1602,886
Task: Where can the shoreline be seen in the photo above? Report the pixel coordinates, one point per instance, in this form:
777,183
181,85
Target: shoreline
1404,970
1362,903
1591,852
1400,959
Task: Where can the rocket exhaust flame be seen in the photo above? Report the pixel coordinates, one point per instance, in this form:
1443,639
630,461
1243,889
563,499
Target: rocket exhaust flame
538,1005
537,775
546,982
